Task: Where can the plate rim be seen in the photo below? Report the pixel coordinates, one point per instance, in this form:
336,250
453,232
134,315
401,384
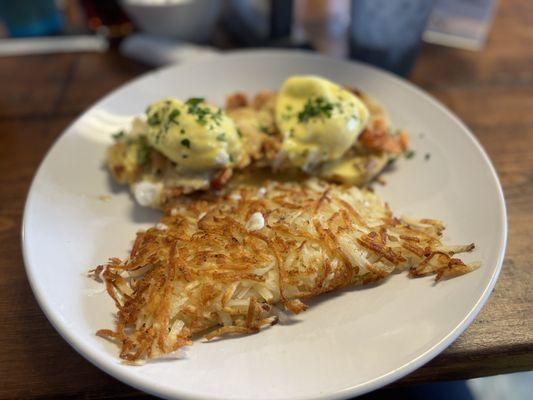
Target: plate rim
355,390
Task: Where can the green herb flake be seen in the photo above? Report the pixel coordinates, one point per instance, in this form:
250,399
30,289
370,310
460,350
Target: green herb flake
197,110
263,128
427,156
186,143
143,153
202,113
118,135
175,113
221,137
158,136
316,107
194,101
154,119
409,154
182,131
231,159
218,116
239,132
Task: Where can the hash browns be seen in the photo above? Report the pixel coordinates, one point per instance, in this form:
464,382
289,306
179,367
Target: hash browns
220,266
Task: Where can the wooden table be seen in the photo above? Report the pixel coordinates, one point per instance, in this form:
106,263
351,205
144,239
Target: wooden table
492,91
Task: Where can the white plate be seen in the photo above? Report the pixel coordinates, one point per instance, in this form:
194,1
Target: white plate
345,344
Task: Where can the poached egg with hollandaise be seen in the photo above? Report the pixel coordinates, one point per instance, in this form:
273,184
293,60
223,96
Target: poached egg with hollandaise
310,124
318,120
194,135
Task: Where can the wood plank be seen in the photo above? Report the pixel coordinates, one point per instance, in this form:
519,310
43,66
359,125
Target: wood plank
33,86
35,361
506,60
96,76
492,91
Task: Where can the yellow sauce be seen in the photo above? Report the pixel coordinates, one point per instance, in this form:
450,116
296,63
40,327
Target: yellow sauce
318,119
196,136
345,170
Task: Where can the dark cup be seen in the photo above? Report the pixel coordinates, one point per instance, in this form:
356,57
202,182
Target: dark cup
387,33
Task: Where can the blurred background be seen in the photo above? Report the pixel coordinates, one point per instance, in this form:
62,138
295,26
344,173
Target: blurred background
156,32
144,34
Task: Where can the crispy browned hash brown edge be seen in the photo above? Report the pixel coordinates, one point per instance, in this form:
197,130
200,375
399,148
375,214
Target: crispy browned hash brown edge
204,251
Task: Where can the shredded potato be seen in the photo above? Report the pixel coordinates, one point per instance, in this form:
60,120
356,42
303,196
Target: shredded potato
205,268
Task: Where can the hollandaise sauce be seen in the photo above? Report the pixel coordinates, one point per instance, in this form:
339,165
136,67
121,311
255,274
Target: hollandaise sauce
194,135
319,120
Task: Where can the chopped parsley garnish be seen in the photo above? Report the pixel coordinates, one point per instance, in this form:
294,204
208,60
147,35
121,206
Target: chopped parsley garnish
221,137
316,107
186,143
217,116
173,115
263,128
202,112
159,134
154,119
231,159
195,108
118,135
390,163
143,153
409,154
194,101
427,156
182,131
239,133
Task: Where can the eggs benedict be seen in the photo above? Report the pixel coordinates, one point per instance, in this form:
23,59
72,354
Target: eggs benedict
318,120
197,137
311,126
177,148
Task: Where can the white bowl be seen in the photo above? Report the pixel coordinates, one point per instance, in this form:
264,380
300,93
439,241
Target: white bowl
190,20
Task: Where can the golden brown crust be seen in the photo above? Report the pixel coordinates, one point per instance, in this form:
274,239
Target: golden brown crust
206,267
236,100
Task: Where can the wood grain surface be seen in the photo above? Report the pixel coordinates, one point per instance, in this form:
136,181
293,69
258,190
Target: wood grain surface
491,90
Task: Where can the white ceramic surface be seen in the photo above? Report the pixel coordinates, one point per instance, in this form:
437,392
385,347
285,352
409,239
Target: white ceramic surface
347,343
